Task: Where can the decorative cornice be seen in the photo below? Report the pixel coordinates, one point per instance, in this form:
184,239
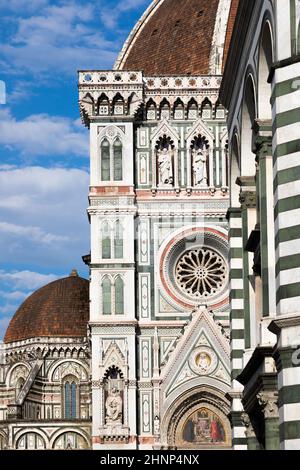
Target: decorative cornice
284,321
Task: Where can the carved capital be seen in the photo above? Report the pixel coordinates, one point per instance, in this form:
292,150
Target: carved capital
269,403
248,199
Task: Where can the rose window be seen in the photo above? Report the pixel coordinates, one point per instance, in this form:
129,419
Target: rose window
201,273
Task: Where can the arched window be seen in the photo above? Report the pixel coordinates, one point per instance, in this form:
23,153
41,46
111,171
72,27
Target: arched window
206,109
19,385
192,109
70,402
106,241
118,240
118,170
105,161
106,296
119,296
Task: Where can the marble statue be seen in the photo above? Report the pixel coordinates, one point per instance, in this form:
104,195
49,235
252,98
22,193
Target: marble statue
113,406
199,166
165,166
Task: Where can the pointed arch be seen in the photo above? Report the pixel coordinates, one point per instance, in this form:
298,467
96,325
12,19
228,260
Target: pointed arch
165,109
264,67
118,105
103,105
118,159
105,160
118,240
206,109
106,296
151,110
248,117
178,109
119,296
192,109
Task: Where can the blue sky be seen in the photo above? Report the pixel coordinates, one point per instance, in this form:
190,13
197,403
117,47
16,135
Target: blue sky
44,157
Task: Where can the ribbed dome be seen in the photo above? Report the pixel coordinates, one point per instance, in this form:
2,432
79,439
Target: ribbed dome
59,309
174,37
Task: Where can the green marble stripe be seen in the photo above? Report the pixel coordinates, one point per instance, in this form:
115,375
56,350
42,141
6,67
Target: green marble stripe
239,441
235,233
235,373
235,212
287,176
237,354
287,204
292,146
236,274
289,395
289,430
283,88
246,273
237,334
263,213
286,118
288,291
287,358
287,234
236,294
235,253
237,314
288,262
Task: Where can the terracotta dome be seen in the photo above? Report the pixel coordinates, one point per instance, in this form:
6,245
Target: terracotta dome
174,37
59,309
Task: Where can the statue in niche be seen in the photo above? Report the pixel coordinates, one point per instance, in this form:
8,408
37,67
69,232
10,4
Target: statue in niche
113,406
199,157
156,425
165,166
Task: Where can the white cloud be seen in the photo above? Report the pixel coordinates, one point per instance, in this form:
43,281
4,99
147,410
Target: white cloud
31,233
61,38
110,17
42,134
43,217
14,295
3,325
26,279
19,6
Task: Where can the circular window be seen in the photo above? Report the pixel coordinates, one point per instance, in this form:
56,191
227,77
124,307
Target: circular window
201,273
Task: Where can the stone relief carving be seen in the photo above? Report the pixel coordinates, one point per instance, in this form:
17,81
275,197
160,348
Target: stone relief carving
113,407
269,404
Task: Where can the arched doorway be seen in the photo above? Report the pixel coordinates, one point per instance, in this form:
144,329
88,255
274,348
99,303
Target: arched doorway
198,420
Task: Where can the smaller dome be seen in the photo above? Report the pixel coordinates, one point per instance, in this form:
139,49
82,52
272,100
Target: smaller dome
59,309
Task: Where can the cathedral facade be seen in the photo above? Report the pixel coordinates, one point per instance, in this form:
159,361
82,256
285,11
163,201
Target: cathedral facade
186,335
158,197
